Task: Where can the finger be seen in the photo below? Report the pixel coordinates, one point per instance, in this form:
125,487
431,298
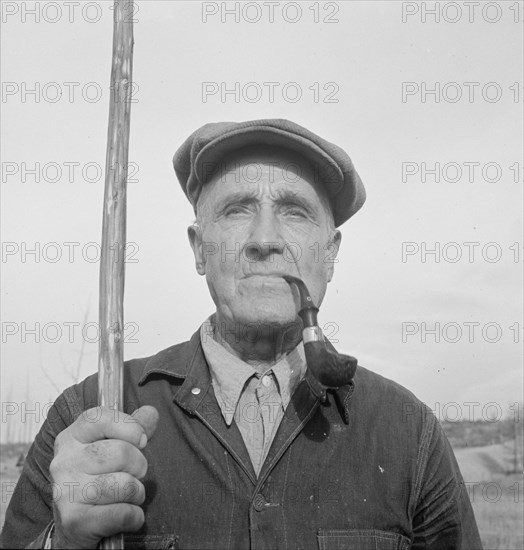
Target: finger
103,423
111,455
147,416
112,489
111,519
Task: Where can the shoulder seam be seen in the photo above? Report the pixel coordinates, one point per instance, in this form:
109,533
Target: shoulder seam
422,457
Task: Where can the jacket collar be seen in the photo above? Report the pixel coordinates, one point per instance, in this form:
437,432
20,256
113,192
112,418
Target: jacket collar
174,361
186,361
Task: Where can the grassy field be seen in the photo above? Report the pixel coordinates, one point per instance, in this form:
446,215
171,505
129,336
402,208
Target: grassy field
9,473
497,496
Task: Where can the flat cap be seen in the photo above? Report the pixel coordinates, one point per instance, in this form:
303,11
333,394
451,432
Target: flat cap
199,157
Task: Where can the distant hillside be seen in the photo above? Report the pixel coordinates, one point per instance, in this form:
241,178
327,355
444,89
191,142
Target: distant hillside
9,451
480,433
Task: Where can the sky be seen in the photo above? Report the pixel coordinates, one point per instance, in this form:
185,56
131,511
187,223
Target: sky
428,284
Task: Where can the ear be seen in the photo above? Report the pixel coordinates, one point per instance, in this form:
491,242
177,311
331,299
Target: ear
332,253
194,233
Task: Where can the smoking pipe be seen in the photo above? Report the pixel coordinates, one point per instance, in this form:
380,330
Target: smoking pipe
330,368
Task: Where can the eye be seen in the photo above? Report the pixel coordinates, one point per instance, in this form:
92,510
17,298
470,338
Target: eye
295,212
236,210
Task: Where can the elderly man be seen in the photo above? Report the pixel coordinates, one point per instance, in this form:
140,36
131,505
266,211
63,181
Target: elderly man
233,441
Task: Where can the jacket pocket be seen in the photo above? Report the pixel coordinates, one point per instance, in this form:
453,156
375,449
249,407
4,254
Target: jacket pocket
361,539
150,542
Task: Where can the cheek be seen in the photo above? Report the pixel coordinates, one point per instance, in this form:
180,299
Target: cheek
313,250
218,250
221,284
222,263
316,263
220,272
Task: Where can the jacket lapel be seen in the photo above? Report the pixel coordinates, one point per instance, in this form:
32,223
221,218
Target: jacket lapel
301,408
197,397
209,412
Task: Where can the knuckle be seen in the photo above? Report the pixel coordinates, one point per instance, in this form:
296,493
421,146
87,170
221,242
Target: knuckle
98,451
134,492
141,494
57,468
105,487
135,432
122,451
121,454
142,467
115,451
129,517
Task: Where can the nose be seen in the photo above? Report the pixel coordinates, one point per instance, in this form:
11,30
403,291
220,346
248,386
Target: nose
265,238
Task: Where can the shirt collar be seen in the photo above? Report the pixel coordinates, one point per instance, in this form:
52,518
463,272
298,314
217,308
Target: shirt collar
186,362
230,374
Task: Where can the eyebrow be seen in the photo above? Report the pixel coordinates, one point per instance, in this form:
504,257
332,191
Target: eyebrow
286,197
239,197
283,197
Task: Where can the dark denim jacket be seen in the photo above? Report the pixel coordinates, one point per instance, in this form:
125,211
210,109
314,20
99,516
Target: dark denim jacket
366,466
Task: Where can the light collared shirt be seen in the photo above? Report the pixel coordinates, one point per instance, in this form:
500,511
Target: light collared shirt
255,400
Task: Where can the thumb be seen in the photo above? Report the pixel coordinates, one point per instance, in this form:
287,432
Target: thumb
147,417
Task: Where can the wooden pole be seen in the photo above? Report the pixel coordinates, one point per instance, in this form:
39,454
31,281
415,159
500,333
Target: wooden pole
112,260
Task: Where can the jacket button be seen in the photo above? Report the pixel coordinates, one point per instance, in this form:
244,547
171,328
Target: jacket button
259,502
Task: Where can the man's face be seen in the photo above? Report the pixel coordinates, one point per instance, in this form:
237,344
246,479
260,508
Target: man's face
262,217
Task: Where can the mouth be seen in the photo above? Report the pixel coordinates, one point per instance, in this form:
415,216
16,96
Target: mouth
276,275
267,282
